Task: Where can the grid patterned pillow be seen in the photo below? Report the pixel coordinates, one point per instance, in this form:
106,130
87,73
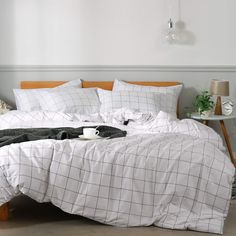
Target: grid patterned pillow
121,85
138,101
70,100
26,99
169,93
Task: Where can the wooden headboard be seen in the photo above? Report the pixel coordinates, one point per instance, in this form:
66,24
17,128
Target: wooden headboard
108,85
89,84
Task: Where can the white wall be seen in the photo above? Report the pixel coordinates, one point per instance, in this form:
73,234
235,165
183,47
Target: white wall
115,32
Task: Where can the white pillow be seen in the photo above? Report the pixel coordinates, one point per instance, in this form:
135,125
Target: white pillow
138,101
73,83
26,99
121,85
171,101
70,100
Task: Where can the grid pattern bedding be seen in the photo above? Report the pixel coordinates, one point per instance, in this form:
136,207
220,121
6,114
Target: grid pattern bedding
139,101
70,100
173,177
26,99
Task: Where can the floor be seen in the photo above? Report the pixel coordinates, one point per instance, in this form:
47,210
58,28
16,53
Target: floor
44,219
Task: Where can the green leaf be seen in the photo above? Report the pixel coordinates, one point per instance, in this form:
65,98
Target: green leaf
203,102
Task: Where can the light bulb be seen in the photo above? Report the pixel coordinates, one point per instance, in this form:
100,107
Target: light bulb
171,35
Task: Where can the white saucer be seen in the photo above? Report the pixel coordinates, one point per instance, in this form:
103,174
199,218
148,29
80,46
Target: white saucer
92,138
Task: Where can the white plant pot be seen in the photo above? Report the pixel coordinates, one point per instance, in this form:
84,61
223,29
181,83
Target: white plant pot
206,113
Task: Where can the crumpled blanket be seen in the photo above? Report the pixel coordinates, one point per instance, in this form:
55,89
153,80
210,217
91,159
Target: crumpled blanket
10,136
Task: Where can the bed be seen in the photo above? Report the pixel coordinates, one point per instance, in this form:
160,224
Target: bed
166,172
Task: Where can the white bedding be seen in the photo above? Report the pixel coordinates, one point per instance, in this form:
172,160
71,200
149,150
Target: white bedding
166,172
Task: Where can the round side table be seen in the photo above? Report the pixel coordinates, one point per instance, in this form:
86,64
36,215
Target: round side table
221,119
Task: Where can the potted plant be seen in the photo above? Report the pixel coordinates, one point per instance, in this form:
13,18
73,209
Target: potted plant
204,104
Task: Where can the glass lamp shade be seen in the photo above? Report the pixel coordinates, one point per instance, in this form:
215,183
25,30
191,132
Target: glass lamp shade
177,34
172,35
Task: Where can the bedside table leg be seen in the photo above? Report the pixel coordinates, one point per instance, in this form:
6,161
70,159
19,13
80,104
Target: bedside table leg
222,124
4,212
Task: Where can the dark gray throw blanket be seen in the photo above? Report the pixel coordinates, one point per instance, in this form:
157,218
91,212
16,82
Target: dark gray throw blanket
9,136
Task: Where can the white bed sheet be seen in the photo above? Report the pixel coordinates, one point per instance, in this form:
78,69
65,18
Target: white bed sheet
169,173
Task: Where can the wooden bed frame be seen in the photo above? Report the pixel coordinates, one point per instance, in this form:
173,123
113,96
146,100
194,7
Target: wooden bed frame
108,85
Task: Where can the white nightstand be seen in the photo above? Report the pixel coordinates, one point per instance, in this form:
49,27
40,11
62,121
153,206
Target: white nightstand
221,119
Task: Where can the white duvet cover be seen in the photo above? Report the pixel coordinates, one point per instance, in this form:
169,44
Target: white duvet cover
166,172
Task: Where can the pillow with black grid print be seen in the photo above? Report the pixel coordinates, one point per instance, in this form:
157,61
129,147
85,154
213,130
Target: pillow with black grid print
26,99
138,101
121,85
70,100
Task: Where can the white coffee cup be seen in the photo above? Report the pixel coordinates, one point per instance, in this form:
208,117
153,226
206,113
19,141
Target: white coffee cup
90,133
